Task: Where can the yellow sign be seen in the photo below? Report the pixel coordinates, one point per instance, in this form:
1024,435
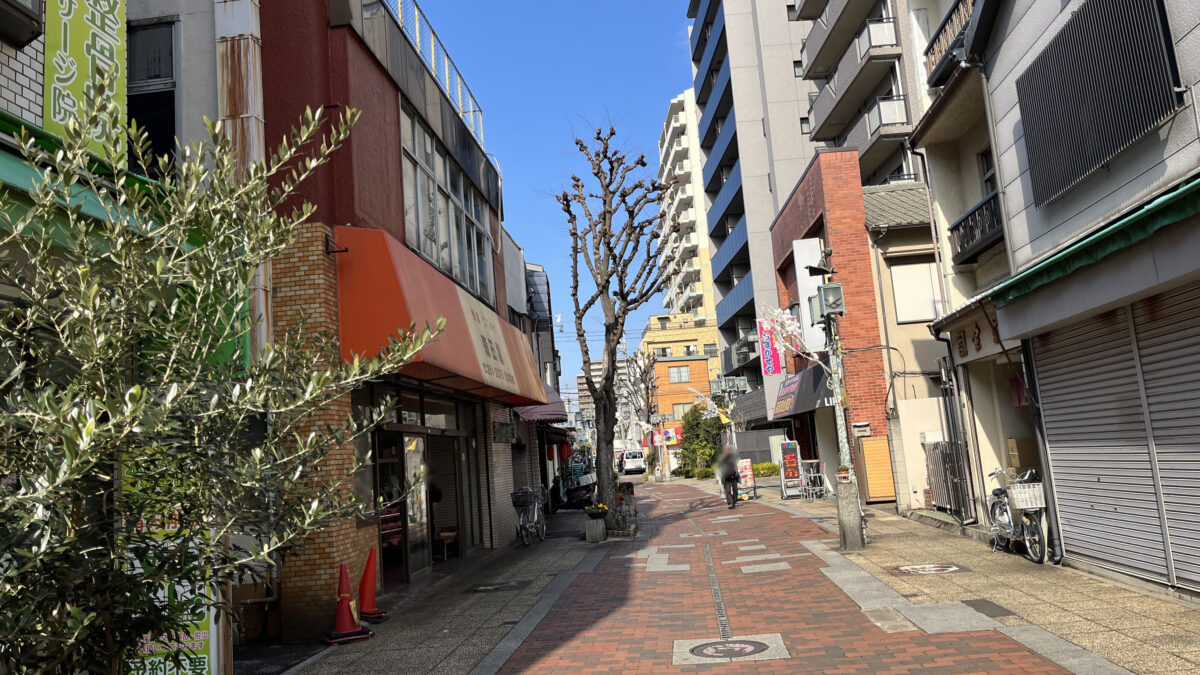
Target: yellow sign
491,349
83,38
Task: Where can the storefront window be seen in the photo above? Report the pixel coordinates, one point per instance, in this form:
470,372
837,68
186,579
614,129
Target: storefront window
410,408
440,413
364,477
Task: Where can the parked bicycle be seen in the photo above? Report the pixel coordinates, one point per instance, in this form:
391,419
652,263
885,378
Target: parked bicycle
531,519
1015,511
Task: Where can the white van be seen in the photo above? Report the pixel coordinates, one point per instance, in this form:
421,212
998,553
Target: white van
635,461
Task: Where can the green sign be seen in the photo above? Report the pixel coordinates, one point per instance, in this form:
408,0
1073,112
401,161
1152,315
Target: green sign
83,37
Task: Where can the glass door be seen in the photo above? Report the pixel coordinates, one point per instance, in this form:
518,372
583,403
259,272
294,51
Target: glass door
389,492
418,505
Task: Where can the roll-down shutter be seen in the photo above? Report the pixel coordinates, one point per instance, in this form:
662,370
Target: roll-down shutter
1168,339
1099,451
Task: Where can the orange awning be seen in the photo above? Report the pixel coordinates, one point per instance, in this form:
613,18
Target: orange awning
383,287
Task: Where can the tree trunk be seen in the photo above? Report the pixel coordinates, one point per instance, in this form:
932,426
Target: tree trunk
606,481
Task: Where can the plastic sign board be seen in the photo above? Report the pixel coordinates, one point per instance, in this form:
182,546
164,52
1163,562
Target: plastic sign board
746,484
83,38
670,436
772,362
791,478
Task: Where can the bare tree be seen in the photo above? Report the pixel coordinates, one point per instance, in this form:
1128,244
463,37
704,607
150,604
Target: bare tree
618,235
639,386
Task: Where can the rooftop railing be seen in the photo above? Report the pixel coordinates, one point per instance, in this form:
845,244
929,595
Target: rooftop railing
424,39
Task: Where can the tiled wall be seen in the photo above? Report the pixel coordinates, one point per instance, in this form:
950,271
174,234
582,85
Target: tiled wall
21,80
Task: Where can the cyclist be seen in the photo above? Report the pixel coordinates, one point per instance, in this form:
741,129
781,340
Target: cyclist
727,469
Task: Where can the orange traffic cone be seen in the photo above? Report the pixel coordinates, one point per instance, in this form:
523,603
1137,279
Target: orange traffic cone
345,628
366,593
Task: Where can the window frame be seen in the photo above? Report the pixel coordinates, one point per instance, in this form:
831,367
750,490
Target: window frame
673,372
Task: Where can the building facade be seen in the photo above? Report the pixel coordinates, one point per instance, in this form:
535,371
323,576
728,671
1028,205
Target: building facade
755,143
1070,265
674,335
680,162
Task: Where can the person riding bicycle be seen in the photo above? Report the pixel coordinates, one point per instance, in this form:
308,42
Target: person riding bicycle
727,468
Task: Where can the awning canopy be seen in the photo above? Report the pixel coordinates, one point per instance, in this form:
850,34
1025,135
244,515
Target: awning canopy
383,287
552,410
803,392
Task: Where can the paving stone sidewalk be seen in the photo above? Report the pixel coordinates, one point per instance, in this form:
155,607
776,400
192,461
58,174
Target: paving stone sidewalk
1142,632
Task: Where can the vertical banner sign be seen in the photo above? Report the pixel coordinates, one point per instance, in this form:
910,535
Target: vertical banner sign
83,37
769,349
198,642
791,482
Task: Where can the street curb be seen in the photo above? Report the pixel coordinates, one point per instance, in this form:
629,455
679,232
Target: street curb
502,652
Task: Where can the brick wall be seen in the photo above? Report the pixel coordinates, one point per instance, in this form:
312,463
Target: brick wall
21,79
828,203
305,280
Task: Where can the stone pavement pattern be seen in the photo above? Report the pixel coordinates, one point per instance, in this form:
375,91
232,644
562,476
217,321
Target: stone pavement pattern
1143,633
632,615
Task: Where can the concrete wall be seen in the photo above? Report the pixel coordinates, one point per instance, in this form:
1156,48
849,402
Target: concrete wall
1158,159
21,83
917,416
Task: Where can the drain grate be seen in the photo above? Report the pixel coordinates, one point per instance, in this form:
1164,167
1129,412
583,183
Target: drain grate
729,649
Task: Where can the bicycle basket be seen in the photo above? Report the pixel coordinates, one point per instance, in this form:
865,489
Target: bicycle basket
522,499
1026,496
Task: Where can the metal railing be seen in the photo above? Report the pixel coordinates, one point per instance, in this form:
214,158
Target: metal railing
424,39
886,110
977,230
948,33
875,33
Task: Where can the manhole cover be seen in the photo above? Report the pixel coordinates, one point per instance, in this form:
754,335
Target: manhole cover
930,568
729,649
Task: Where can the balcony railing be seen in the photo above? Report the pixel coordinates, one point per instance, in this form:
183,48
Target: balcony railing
854,77
947,38
420,33
977,231
886,110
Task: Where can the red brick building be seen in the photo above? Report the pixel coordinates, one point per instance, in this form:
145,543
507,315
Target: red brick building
827,205
407,229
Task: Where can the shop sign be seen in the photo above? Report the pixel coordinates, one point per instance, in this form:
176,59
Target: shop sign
670,436
861,429
83,37
786,398
746,473
502,432
772,363
491,349
791,480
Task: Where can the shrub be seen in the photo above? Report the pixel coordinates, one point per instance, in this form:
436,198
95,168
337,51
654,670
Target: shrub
766,469
683,472
704,473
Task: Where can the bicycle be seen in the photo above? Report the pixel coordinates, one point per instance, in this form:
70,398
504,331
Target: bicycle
530,518
1016,513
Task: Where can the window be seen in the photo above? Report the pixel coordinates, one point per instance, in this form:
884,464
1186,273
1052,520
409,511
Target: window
798,68
915,291
805,125
710,350
151,87
445,217
663,322
691,350
987,172
20,21
662,352
678,410
679,374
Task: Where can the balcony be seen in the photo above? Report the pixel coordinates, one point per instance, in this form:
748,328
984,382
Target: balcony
689,244
945,49
721,153
729,199
679,153
714,51
808,9
689,296
735,248
682,199
977,231
714,85
831,33
736,300
879,132
867,60
738,355
702,16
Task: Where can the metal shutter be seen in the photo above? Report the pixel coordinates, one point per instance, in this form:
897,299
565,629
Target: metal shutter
1168,337
1099,453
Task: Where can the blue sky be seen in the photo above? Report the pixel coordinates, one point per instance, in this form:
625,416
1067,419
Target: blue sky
544,71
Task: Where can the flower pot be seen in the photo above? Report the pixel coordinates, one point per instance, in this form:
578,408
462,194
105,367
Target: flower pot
596,515
843,476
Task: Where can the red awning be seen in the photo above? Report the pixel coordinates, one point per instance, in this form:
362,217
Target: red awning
552,410
383,287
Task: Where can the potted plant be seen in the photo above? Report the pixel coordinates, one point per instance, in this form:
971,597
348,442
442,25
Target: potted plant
596,511
843,472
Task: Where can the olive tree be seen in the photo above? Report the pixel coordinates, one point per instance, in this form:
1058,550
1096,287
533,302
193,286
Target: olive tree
144,448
